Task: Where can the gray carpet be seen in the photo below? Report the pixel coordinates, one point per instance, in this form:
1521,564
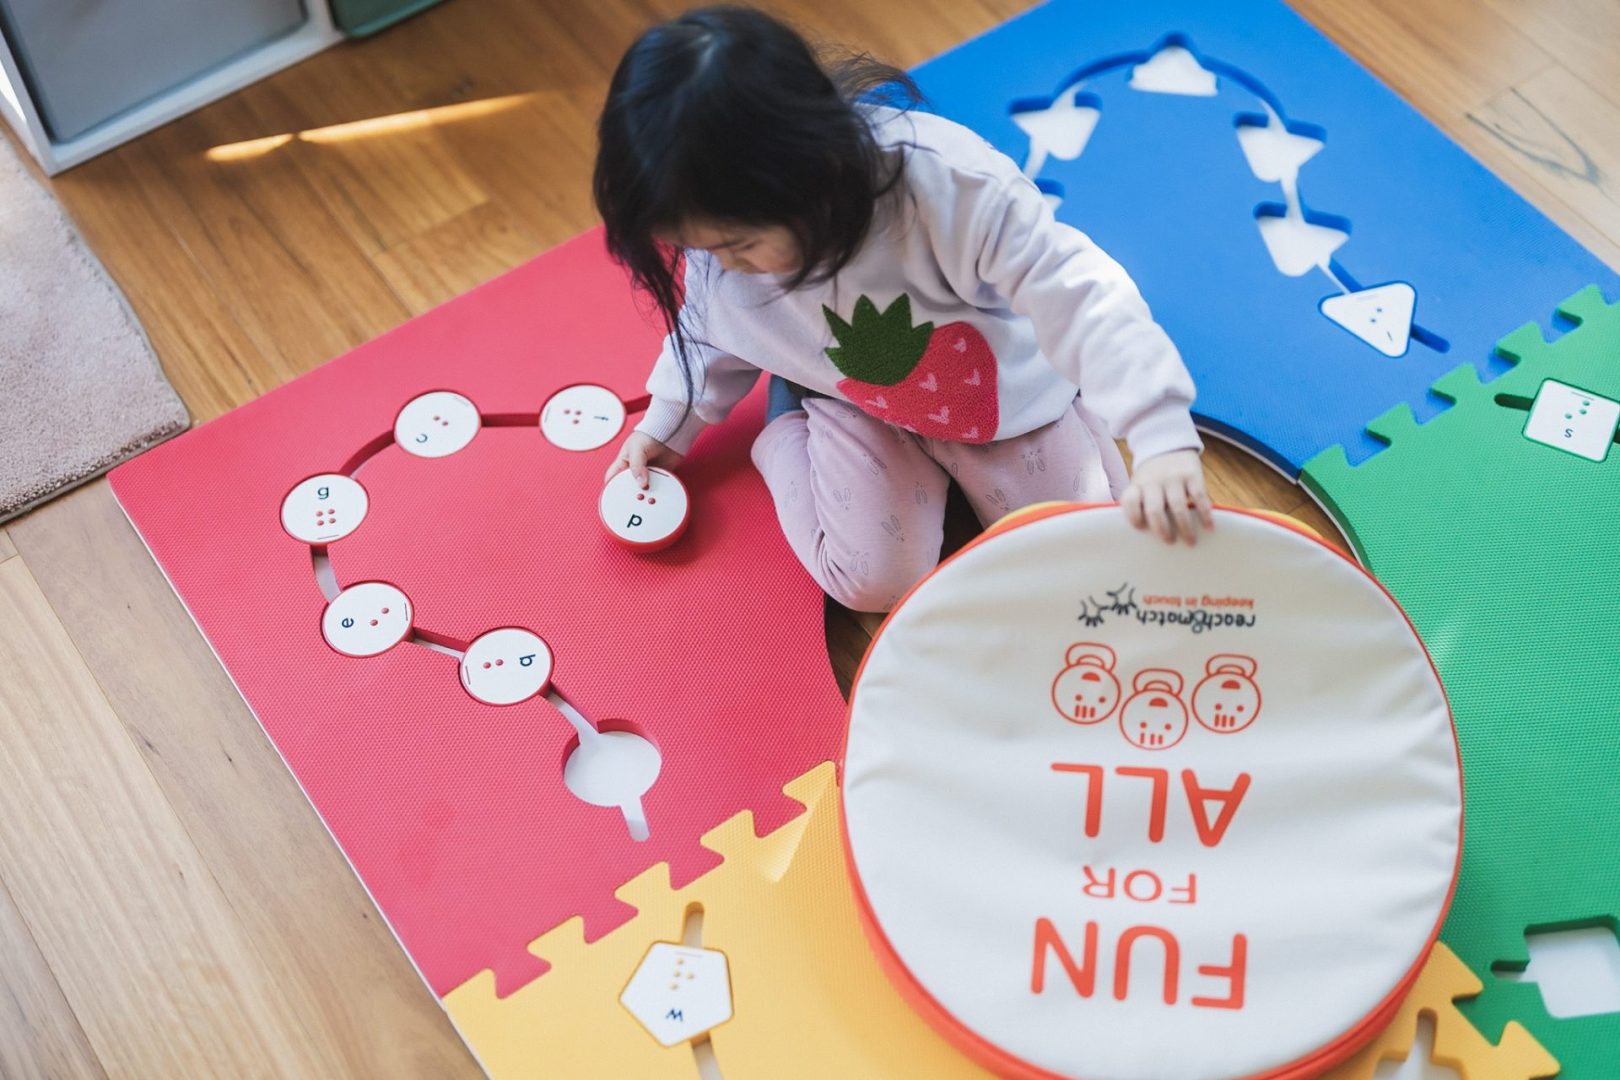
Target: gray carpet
80,389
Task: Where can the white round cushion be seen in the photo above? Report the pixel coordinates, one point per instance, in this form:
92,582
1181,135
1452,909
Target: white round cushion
1127,811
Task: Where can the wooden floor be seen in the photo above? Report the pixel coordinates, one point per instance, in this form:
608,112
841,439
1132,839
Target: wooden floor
170,906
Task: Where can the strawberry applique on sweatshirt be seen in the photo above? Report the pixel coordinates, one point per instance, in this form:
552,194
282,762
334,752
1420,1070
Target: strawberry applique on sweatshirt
969,314
936,382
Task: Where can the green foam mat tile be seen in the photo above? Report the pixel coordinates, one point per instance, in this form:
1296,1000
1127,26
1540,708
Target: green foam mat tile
1505,552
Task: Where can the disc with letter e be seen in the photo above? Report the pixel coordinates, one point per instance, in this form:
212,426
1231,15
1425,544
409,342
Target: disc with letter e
1121,810
646,519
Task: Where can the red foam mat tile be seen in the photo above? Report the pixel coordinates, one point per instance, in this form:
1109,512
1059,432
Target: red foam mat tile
453,812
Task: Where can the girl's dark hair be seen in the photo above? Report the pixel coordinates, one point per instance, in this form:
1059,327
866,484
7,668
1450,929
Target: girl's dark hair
727,115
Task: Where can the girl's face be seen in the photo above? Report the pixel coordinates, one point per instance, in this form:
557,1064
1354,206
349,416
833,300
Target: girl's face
747,249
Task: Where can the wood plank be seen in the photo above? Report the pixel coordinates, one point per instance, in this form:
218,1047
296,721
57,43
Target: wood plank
1444,56
279,260
1307,512
205,351
1582,35
1534,185
848,635
121,905
535,161
513,46
455,256
39,1035
1562,132
315,933
534,157
294,290
384,173
1236,477
900,34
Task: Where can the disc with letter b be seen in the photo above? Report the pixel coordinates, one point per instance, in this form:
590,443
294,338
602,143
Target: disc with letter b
1121,810
646,519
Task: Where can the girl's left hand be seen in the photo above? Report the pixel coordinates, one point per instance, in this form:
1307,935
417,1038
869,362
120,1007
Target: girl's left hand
1164,492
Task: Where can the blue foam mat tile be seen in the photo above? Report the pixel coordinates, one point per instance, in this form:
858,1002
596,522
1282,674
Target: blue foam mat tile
1163,186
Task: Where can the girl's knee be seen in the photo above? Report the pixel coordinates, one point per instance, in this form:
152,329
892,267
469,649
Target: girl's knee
866,581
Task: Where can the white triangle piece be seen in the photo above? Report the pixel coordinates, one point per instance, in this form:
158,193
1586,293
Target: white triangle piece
1173,70
1274,153
1061,129
1297,246
1381,316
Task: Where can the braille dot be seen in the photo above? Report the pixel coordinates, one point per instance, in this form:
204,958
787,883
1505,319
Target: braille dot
640,496
373,622
651,500
385,611
500,663
486,663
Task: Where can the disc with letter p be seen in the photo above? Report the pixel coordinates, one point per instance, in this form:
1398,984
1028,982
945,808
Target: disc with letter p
646,519
1121,810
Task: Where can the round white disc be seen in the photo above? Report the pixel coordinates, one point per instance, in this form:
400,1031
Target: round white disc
650,518
506,666
324,508
437,424
582,417
1130,810
367,619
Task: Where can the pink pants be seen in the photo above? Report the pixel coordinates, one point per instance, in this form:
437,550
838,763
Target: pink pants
863,503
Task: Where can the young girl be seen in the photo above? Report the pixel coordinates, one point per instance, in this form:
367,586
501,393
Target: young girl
924,317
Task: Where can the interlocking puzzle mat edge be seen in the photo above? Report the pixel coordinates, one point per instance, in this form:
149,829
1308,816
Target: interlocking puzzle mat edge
205,505
1502,550
1415,206
784,899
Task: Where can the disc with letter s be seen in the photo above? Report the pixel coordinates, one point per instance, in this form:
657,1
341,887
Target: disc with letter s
1121,810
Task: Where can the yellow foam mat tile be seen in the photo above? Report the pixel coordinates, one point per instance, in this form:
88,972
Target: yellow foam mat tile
809,999
1457,1043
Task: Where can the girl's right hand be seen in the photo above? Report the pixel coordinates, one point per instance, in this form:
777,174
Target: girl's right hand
640,451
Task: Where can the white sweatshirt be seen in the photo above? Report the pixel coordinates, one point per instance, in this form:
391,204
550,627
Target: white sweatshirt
969,314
